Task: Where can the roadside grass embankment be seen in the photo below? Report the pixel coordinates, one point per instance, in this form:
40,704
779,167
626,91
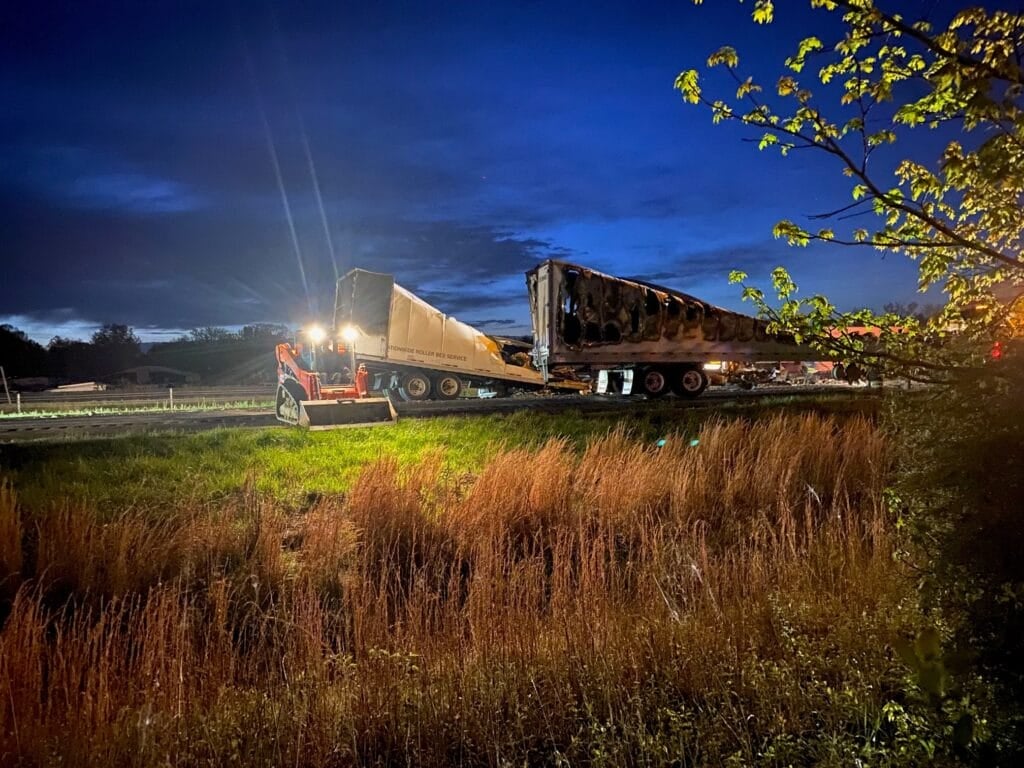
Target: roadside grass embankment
727,596
295,466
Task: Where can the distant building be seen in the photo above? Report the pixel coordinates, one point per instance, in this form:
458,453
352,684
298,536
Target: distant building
81,386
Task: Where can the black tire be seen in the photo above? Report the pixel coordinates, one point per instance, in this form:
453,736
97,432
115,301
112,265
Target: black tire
447,386
654,381
415,387
689,382
839,372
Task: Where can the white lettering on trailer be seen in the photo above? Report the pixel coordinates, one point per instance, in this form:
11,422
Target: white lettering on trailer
427,353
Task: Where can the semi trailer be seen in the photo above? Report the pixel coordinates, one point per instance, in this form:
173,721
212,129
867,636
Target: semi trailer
634,336
419,352
588,327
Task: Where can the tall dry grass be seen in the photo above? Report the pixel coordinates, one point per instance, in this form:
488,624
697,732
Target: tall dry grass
631,604
10,540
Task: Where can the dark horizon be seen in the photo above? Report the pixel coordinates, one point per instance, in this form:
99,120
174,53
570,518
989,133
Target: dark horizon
151,156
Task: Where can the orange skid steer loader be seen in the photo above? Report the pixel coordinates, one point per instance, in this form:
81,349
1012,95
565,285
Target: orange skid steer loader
304,400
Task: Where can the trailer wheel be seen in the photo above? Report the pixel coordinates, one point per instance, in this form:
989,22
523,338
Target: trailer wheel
654,382
448,386
415,386
690,382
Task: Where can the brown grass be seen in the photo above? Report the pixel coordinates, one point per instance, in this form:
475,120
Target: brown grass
629,605
10,540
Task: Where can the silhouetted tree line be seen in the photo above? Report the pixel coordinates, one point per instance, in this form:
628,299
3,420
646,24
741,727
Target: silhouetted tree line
217,355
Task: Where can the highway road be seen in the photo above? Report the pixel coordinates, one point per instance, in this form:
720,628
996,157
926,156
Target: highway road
74,427
135,398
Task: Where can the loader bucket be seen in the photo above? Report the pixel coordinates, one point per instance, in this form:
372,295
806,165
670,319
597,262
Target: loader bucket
332,414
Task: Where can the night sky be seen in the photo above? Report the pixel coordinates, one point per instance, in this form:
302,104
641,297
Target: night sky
454,145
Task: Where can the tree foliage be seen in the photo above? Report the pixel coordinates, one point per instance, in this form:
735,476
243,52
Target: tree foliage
216,355
220,355
115,348
861,99
20,355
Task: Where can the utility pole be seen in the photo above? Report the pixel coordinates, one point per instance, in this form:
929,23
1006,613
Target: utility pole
6,390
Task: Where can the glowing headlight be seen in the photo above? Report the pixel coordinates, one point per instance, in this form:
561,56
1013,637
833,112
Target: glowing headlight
349,334
316,333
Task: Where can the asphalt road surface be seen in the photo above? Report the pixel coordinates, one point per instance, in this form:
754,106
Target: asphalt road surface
73,427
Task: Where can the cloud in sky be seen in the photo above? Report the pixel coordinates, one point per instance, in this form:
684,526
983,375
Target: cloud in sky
453,145
76,178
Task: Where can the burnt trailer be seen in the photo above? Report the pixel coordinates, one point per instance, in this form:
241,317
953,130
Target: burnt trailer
637,336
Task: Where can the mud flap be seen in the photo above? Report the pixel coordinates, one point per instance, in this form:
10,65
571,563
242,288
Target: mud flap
627,381
621,384
333,414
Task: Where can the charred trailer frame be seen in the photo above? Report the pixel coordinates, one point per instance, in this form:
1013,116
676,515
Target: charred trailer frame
585,318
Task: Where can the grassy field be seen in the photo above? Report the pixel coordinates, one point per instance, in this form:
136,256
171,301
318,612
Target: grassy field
563,590
148,471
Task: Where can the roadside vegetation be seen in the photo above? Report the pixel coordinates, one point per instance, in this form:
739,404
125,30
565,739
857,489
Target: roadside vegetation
878,86
704,593
293,466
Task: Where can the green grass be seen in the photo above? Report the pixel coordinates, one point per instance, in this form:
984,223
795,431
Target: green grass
294,465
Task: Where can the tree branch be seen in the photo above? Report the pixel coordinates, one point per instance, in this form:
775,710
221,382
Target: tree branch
1016,75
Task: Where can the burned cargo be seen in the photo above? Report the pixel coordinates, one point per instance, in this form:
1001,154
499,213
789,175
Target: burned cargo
582,317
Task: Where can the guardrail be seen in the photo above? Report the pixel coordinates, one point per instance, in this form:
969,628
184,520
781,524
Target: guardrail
137,396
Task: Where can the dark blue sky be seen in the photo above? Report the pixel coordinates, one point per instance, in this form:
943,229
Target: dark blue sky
454,144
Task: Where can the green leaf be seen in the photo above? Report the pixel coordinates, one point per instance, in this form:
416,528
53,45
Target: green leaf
764,11
752,294
785,287
807,46
737,276
786,85
793,234
748,86
687,84
725,55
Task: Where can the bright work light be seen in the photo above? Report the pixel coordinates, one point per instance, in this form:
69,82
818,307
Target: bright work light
349,334
316,334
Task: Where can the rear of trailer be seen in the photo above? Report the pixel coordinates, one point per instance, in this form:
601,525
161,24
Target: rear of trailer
648,337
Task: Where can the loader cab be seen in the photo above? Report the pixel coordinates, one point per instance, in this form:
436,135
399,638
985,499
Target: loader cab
318,353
